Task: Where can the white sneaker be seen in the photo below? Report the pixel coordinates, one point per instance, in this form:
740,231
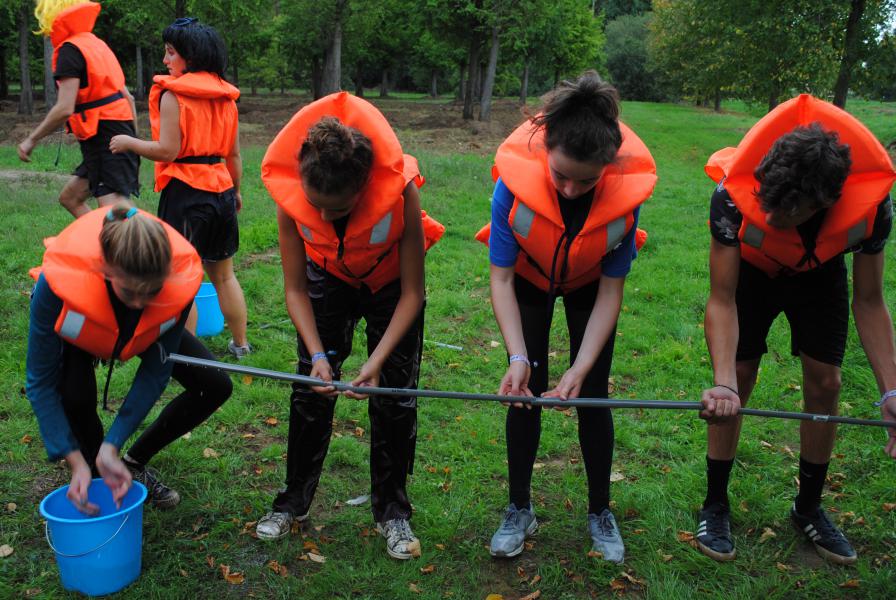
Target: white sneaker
276,525
400,540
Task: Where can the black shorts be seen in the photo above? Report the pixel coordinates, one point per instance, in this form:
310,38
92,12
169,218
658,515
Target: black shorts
108,173
816,304
207,219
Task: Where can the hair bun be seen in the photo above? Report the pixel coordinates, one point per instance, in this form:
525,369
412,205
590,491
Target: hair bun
331,141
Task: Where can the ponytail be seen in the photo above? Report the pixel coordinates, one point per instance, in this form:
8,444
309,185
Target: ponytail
335,159
582,118
136,245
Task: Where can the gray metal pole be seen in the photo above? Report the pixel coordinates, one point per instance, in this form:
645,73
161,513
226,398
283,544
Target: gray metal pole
548,402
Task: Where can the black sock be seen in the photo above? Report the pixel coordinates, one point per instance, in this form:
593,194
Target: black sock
717,472
811,483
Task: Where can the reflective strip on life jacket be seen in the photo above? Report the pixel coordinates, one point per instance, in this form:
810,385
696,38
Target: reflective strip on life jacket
380,232
72,325
522,222
615,233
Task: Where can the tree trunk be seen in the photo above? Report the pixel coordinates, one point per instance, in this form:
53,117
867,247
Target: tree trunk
180,8
49,81
26,98
316,77
717,105
331,80
472,65
477,82
384,84
772,99
140,92
434,84
461,69
524,85
488,84
235,71
850,52
4,81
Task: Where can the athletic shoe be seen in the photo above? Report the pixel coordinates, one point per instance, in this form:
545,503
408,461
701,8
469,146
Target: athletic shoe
714,532
275,525
518,524
158,494
605,536
400,540
829,541
239,351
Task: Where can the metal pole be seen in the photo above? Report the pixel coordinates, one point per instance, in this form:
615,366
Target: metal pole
548,402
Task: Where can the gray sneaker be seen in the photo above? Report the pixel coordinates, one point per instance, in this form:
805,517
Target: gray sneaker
239,351
518,524
275,525
400,540
605,536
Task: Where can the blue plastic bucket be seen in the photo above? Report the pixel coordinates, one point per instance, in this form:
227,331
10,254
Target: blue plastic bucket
211,320
96,555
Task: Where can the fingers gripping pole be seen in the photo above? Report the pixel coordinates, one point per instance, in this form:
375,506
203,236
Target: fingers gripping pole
546,402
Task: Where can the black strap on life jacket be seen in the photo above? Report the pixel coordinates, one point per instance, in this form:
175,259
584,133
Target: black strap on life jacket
198,160
85,106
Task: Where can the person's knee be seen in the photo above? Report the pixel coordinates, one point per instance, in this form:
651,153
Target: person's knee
822,390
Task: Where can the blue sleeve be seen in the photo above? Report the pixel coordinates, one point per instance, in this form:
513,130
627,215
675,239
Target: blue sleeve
619,261
150,381
502,245
43,364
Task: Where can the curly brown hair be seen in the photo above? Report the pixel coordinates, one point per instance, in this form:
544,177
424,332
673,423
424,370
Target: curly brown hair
335,159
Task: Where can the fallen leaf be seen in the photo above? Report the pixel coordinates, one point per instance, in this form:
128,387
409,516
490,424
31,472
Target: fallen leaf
234,578
595,554
767,534
533,596
413,587
210,453
12,506
494,597
631,513
210,561
685,536
538,465
183,573
521,573
427,569
639,531
665,557
765,444
5,550
247,380
440,546
277,568
316,557
632,578
359,431
248,436
309,545
535,580
529,545
494,344
783,568
446,470
617,585
850,583
888,506
32,592
616,476
430,469
743,506
573,460
187,435
271,421
26,439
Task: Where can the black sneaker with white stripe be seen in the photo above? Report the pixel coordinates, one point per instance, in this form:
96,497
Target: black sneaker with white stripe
829,541
714,532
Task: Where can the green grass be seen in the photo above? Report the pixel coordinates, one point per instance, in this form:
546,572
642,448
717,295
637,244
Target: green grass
459,485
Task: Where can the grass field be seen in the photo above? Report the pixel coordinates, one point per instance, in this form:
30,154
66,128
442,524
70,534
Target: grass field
459,484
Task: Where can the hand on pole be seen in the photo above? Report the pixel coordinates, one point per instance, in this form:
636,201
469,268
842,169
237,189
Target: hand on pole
720,403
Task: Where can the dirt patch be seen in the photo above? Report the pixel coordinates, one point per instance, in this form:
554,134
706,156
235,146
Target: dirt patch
17,176
432,124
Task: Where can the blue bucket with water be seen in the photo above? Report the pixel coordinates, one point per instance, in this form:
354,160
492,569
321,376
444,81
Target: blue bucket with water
96,555
211,319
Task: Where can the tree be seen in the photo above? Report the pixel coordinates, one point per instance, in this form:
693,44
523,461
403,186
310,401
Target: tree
628,63
613,9
49,81
577,39
26,98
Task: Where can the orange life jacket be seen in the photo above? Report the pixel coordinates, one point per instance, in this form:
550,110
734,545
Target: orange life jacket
547,258
73,267
104,96
368,253
849,221
208,129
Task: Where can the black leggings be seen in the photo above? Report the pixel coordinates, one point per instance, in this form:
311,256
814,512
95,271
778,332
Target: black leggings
595,424
204,391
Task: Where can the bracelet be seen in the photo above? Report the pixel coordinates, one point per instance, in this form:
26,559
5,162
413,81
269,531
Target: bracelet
519,358
885,397
317,356
727,387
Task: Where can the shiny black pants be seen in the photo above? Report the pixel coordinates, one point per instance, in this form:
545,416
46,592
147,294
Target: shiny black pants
393,419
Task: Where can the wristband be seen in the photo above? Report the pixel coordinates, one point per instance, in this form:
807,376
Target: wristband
519,358
727,387
885,397
317,356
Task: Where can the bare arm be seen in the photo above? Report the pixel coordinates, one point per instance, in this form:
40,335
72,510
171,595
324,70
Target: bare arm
235,168
56,117
721,329
411,253
598,330
164,149
295,286
130,99
875,327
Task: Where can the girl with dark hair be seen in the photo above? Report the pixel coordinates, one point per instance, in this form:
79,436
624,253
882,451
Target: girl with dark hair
564,222
352,241
113,285
194,128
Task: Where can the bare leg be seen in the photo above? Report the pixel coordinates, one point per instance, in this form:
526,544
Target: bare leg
723,438
74,195
821,393
112,199
230,296
192,319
